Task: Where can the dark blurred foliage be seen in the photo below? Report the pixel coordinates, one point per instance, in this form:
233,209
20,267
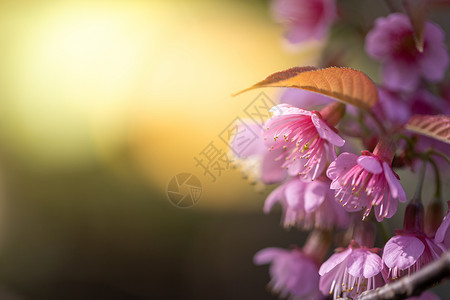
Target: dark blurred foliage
92,235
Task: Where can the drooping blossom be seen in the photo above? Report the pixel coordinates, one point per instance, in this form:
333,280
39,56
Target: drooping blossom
305,19
391,41
410,249
351,271
367,181
406,253
291,272
294,272
308,137
251,153
308,203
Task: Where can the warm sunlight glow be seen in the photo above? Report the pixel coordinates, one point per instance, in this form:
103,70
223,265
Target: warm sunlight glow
90,79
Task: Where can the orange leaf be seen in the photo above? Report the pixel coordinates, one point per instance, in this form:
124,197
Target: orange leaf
435,126
344,84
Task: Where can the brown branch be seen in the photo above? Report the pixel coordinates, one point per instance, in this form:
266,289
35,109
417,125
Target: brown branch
414,284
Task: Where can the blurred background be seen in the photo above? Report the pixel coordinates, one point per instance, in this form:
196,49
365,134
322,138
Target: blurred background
102,104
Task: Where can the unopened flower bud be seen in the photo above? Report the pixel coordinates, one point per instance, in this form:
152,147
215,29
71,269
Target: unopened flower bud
413,220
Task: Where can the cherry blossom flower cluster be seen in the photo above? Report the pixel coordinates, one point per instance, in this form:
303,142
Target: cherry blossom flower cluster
336,167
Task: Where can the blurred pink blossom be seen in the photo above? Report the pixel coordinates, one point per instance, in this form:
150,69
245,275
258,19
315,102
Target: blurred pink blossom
292,273
304,99
268,169
391,41
305,19
307,204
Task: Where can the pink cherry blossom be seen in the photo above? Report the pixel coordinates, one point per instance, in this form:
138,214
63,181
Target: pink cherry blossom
307,139
292,273
249,146
391,41
351,272
407,252
307,204
305,19
366,181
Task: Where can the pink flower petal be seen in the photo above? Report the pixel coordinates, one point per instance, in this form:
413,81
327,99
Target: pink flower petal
303,99
304,19
362,262
319,167
326,132
251,132
370,164
379,209
304,277
342,164
275,196
271,170
315,193
395,187
326,281
333,261
382,40
435,249
434,61
402,251
285,109
443,232
399,75
267,255
294,192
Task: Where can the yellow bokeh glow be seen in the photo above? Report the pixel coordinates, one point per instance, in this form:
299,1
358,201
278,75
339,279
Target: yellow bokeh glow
89,79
